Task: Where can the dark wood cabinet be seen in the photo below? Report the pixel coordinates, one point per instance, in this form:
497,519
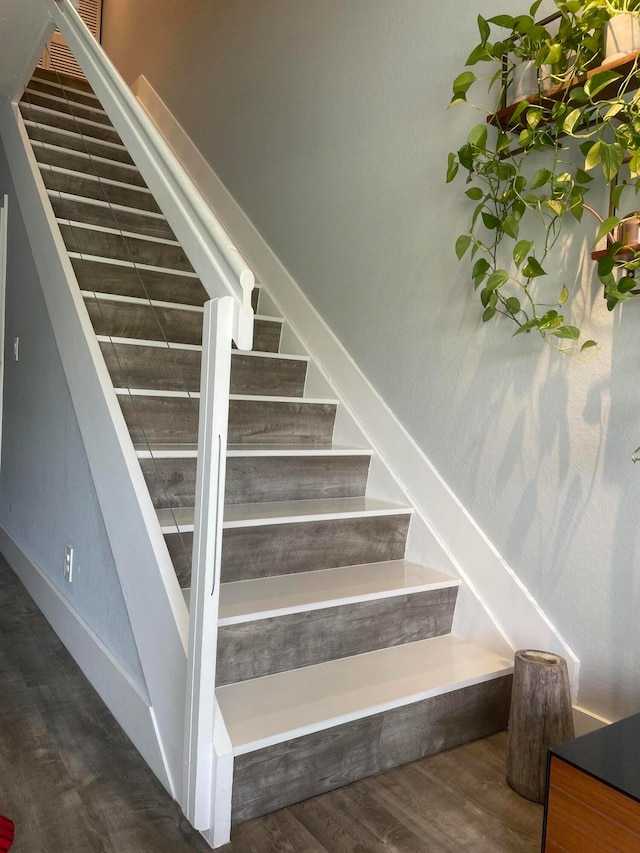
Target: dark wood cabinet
593,792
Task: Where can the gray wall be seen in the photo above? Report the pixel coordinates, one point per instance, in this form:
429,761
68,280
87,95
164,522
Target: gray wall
328,121
47,497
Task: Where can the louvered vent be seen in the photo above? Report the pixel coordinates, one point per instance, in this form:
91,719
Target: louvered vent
57,55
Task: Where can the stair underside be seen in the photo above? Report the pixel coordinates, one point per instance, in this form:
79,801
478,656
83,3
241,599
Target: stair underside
336,659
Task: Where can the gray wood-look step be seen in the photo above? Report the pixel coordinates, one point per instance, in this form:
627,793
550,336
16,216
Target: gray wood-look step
136,249
140,283
144,321
251,479
79,161
160,323
63,88
75,183
175,369
65,107
74,124
260,552
303,767
69,80
266,646
74,141
94,212
174,420
255,552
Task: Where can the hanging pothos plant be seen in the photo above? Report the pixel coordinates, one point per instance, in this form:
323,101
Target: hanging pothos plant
577,102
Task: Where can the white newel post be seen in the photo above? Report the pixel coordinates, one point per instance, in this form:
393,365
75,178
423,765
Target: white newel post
207,755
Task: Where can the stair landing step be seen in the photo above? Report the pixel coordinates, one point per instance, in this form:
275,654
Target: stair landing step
270,710
264,598
180,519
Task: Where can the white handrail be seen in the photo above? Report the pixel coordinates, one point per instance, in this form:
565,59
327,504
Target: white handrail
218,263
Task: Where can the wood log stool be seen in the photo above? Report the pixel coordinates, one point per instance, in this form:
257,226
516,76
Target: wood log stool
540,718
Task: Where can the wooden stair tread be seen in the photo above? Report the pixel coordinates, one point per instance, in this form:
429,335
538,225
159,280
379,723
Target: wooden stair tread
59,102
180,519
276,708
263,598
190,451
74,141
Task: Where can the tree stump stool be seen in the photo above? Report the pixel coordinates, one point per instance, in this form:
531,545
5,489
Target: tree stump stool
540,718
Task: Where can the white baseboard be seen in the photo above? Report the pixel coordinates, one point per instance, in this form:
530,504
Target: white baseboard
503,596
585,721
126,700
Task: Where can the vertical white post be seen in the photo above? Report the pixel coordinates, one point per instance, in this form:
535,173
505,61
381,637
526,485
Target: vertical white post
202,789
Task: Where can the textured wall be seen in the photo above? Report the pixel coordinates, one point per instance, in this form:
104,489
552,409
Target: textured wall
47,497
328,121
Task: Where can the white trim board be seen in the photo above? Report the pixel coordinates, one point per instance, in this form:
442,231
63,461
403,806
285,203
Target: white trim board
128,702
4,225
504,597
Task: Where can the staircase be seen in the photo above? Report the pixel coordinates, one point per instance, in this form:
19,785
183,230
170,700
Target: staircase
335,653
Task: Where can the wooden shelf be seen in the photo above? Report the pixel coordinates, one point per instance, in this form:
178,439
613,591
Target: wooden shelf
623,65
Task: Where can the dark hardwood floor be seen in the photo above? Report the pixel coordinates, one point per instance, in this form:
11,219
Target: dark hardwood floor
73,783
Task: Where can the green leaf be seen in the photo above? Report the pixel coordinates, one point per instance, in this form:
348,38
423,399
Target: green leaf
475,193
578,95
462,244
479,54
626,284
512,305
510,226
463,83
540,179
497,279
611,156
556,207
571,120
533,117
490,221
606,227
570,332
480,268
532,268
616,193
606,265
551,320
588,345
478,137
489,312
485,296
564,295
452,167
600,81
534,9
465,156
484,29
506,21
613,110
593,156
525,138
521,251
522,106
526,327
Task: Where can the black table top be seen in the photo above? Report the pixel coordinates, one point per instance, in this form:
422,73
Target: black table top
611,754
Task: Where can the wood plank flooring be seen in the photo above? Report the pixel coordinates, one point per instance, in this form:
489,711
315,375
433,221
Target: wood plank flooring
72,781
